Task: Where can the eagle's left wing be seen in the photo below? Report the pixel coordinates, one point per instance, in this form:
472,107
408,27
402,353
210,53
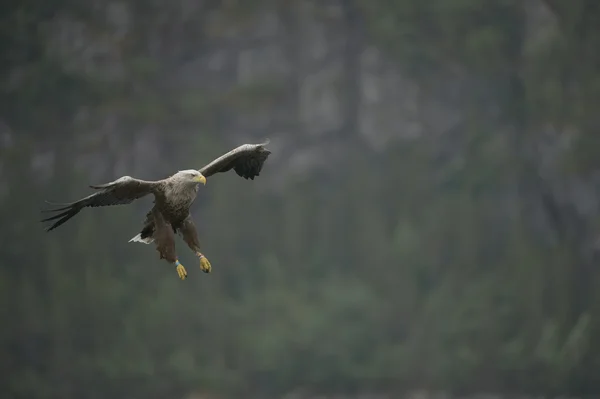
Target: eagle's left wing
246,160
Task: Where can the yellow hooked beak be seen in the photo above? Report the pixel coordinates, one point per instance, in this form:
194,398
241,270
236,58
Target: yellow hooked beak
200,179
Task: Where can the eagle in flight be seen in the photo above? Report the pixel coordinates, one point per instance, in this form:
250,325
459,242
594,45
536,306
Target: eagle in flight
173,198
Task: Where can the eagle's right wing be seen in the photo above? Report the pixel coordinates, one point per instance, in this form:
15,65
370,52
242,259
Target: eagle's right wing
119,192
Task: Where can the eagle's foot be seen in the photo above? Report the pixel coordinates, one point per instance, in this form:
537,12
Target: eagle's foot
181,271
205,265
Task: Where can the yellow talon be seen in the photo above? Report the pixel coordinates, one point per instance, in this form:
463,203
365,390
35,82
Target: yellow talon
181,271
205,265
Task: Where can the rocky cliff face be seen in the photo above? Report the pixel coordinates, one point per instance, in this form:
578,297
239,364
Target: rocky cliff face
303,74
306,76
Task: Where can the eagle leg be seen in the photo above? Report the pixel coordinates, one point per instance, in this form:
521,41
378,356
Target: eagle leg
190,236
164,237
181,270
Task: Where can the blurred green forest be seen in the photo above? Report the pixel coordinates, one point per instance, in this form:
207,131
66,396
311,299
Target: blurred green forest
453,262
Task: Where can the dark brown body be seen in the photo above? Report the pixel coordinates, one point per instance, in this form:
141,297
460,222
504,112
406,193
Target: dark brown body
163,234
170,215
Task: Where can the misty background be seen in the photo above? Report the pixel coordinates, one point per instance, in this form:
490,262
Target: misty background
428,222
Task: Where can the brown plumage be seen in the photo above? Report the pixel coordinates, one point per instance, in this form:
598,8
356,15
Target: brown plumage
173,198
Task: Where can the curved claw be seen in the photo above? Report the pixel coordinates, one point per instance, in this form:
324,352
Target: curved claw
181,271
205,265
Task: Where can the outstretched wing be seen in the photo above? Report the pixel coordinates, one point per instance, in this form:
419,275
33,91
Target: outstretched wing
119,192
246,160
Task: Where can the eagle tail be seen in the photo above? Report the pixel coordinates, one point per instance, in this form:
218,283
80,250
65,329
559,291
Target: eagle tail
138,238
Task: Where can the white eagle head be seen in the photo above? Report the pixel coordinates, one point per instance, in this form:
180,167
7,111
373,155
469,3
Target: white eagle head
191,176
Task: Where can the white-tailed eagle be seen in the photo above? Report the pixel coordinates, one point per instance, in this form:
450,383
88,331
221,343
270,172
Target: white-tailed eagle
173,197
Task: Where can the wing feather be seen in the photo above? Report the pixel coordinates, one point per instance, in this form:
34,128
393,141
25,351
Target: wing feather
122,191
246,160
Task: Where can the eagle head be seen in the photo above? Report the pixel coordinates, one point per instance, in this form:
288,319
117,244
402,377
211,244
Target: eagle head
191,176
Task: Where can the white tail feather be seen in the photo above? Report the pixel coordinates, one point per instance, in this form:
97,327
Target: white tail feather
139,238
